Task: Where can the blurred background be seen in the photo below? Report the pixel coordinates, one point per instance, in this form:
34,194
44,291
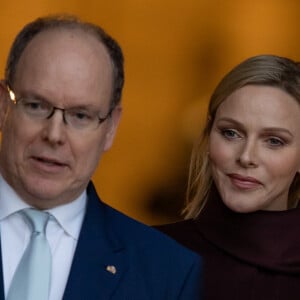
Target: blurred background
175,54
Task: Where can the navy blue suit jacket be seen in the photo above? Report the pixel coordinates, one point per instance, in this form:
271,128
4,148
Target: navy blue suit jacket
118,258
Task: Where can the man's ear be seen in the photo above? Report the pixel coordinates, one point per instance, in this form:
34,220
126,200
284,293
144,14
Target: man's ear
4,100
114,121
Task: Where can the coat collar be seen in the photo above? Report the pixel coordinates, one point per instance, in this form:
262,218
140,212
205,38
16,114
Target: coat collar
99,260
266,239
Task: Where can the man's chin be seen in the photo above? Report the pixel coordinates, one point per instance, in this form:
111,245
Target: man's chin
45,194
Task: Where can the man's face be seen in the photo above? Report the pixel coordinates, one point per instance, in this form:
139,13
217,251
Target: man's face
48,162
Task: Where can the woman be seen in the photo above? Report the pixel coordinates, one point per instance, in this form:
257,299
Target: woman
243,197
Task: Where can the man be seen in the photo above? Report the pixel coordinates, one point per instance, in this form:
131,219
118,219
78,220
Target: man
59,111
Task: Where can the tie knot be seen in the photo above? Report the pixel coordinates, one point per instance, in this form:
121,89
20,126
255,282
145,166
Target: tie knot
37,219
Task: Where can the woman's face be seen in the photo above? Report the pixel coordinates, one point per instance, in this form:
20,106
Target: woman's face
254,148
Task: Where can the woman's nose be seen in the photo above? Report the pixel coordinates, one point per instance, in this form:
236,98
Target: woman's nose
248,155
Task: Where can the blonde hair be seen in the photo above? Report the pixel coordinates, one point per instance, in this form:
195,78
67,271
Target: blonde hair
269,70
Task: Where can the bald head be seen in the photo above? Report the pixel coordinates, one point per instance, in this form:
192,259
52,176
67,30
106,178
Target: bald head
71,23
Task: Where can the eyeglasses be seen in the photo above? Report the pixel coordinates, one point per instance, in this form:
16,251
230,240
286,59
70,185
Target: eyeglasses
76,117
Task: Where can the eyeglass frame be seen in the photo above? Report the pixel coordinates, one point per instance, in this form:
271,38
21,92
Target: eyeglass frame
15,100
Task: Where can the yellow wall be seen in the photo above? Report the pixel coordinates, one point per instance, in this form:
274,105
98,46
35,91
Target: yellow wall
176,52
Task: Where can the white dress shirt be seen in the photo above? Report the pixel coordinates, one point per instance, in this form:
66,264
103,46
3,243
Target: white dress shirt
62,233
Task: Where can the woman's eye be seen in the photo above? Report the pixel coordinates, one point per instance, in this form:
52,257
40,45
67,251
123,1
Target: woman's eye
275,142
229,133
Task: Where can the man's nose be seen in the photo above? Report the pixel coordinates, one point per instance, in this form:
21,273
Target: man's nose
54,130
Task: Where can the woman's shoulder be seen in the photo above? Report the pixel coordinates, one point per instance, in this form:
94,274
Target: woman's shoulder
177,228
185,232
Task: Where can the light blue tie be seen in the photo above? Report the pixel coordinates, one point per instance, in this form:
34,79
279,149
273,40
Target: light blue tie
31,280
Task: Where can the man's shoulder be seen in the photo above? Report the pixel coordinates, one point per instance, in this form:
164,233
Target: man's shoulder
136,235
144,236
160,267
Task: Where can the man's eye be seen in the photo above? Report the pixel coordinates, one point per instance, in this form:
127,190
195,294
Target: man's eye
33,105
80,115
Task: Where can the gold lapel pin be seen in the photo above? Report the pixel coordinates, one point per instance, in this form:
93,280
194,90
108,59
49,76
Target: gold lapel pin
111,269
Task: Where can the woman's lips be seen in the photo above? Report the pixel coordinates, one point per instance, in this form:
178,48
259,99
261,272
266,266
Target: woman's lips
244,182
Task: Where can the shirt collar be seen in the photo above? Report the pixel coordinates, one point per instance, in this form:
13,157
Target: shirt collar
69,216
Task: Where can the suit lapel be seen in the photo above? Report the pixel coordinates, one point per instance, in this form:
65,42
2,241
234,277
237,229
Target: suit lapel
99,260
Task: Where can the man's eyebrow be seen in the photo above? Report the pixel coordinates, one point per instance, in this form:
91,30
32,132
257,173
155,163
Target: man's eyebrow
38,96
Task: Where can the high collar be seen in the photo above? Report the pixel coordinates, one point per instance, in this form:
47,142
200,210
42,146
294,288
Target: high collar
267,239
